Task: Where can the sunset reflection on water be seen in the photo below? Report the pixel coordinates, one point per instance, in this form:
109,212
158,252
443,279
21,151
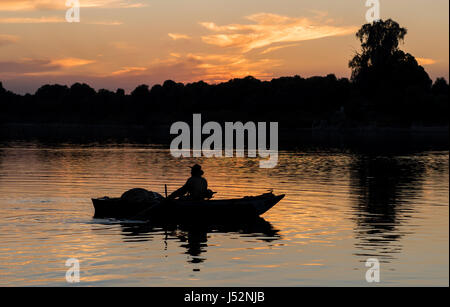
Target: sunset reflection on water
339,210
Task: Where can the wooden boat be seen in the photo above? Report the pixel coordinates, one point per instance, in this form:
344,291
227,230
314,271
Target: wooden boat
250,206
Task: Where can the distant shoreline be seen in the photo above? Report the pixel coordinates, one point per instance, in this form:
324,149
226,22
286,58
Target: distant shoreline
426,137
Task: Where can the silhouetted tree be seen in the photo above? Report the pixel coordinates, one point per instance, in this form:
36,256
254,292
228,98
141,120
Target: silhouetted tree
140,93
52,93
381,59
81,93
105,98
120,92
440,87
389,77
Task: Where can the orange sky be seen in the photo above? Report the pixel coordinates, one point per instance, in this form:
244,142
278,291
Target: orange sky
121,43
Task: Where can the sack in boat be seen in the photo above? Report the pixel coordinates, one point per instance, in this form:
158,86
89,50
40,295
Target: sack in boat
138,195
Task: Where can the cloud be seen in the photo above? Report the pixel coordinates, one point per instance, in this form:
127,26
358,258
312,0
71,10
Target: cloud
39,66
106,23
268,32
275,48
54,19
27,66
8,39
268,29
71,62
425,61
191,67
128,70
14,20
112,3
177,36
35,5
28,75
27,5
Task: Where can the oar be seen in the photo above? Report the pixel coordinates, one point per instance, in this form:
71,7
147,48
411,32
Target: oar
165,226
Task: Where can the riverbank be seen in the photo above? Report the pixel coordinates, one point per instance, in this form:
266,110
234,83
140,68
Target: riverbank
420,137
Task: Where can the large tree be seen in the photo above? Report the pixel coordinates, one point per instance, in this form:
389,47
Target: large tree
381,67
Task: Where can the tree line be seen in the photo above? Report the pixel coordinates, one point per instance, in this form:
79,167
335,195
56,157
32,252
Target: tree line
387,88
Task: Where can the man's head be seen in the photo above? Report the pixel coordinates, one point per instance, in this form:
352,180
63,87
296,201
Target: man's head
196,170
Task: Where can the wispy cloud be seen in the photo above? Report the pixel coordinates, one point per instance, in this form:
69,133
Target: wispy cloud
106,23
37,66
33,5
28,5
20,20
268,29
426,61
52,19
128,70
267,32
113,3
27,66
190,67
70,62
177,36
275,48
8,39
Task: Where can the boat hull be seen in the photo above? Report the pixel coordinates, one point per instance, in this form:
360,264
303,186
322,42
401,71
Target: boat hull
175,209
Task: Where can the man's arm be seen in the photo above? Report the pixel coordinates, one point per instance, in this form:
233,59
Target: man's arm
180,192
207,193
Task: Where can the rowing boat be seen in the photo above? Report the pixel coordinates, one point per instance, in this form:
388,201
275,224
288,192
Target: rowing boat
107,207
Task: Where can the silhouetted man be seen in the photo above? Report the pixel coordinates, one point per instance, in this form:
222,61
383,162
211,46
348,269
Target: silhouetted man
195,187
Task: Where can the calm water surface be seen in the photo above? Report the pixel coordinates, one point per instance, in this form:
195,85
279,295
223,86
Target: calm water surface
340,210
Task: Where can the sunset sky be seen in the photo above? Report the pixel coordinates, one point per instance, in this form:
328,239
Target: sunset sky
121,43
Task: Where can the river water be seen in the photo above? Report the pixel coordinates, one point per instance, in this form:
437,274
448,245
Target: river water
341,208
